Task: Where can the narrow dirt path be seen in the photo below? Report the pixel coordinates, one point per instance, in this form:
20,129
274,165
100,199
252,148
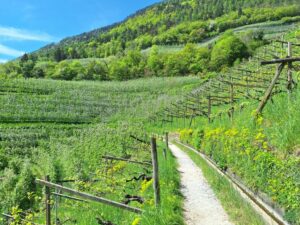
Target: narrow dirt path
201,205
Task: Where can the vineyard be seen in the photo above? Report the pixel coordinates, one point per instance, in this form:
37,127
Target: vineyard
247,81
70,131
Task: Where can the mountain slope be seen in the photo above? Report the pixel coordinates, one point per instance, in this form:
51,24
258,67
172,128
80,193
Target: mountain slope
164,23
114,52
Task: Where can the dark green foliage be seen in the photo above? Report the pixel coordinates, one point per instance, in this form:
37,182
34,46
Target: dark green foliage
59,54
26,65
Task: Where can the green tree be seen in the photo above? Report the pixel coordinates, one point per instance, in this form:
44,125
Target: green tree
59,54
154,62
96,71
27,68
135,63
227,50
176,65
67,71
118,70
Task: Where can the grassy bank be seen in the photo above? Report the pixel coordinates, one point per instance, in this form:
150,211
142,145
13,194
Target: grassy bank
239,212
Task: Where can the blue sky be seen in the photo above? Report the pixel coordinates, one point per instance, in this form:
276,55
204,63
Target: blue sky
26,25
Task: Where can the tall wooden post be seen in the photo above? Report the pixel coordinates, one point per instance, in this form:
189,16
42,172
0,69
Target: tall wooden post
47,202
209,109
269,90
165,153
185,114
290,78
56,207
231,100
155,172
167,140
247,83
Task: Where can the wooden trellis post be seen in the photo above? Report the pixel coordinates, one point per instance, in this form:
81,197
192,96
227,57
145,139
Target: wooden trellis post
270,89
185,114
155,172
165,153
47,202
231,99
290,78
209,108
282,62
167,140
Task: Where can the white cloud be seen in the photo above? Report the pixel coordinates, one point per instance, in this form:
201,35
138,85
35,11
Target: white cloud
3,61
24,35
4,50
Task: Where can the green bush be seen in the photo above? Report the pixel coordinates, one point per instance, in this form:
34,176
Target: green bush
227,51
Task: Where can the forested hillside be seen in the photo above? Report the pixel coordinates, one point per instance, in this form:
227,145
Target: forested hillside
114,52
170,23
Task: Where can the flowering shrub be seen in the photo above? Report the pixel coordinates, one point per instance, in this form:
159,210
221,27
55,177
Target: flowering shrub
145,185
193,137
186,135
136,221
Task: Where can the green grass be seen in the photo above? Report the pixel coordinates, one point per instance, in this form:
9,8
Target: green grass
239,211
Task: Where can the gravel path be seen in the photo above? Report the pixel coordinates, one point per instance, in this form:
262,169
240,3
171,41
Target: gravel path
201,205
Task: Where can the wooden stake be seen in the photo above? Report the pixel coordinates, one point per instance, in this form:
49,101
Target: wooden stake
165,153
56,210
167,140
47,202
209,109
155,172
290,78
231,100
269,91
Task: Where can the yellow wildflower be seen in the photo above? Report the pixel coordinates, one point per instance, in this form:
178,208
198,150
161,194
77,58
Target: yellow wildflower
145,185
136,221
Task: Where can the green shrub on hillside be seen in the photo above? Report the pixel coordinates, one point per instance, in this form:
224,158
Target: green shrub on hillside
227,51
